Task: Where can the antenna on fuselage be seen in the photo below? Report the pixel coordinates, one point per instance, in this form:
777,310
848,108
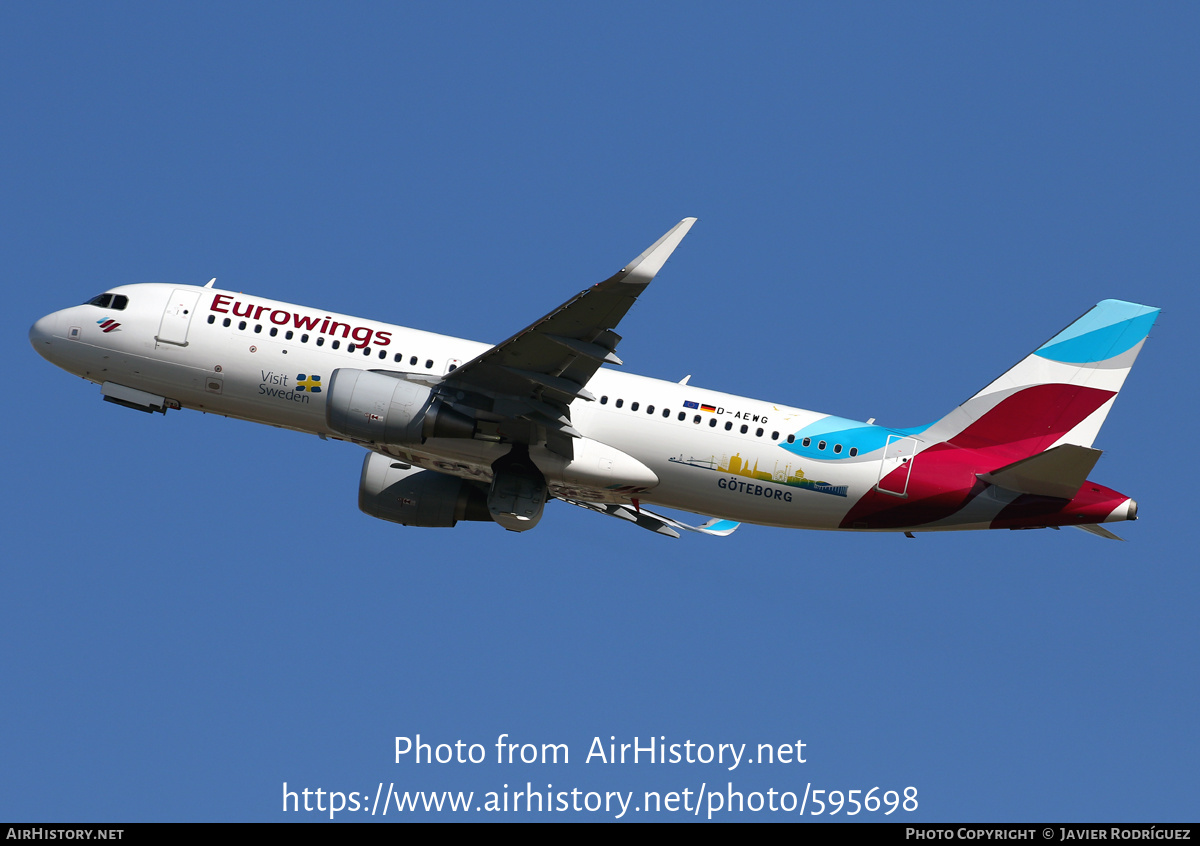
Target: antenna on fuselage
210,282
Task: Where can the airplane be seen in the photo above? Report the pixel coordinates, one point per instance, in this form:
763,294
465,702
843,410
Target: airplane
459,430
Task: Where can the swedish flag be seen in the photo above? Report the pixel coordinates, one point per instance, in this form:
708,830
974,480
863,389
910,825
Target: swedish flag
310,384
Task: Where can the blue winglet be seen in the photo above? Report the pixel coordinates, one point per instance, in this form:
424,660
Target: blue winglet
718,527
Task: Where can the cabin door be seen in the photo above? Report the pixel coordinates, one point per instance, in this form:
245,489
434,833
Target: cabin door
177,318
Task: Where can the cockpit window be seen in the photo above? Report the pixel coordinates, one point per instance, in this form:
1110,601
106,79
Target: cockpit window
113,301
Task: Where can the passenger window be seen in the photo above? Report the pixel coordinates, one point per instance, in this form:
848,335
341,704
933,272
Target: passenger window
791,439
212,318
604,400
620,403
349,347
412,361
287,336
257,328
649,409
453,367
853,451
745,428
336,343
728,425
382,355
397,358
304,339
320,340
682,416
633,406
428,363
806,442
820,445
667,413
758,434
274,331
695,419
226,322
774,436
712,421
242,325
837,449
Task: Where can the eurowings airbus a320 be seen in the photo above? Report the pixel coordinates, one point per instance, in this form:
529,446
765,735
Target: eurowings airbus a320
458,430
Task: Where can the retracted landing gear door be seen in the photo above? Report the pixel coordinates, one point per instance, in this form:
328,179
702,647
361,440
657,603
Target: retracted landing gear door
177,318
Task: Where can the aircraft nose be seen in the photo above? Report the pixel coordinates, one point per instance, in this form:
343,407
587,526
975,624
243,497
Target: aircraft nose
41,333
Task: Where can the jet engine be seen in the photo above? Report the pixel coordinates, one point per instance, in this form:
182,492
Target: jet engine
391,490
382,409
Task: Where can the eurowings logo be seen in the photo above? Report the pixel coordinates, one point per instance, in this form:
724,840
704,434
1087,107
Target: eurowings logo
107,324
306,383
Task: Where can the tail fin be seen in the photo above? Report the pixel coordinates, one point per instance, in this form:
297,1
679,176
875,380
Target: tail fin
1060,393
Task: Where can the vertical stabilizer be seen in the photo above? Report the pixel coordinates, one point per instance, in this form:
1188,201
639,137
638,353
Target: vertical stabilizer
1060,393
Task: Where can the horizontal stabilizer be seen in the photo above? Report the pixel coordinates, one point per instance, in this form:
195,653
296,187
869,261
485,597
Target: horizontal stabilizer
1058,472
1100,531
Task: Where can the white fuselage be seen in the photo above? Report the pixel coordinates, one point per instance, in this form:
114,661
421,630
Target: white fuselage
257,359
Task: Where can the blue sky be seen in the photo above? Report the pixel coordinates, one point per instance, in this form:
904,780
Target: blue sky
896,203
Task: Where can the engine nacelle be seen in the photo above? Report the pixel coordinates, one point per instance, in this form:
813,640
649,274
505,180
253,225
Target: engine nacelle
382,409
411,496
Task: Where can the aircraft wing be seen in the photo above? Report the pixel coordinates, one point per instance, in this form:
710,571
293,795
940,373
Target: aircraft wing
659,523
526,384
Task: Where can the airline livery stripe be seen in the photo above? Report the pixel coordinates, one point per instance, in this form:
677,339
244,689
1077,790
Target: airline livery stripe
1101,344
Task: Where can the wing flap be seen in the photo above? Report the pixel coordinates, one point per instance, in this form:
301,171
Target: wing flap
587,349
